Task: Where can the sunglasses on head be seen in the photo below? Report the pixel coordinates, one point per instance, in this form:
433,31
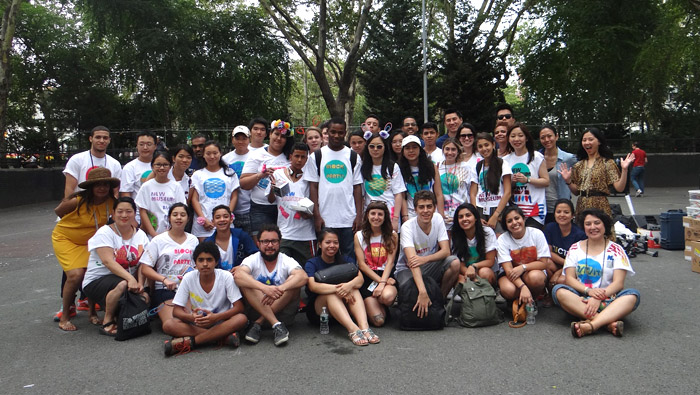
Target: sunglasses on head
505,116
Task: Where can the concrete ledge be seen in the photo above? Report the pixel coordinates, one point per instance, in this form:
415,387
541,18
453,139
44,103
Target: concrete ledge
673,170
29,186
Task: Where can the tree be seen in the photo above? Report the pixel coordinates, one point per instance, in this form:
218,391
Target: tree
337,31
7,32
390,73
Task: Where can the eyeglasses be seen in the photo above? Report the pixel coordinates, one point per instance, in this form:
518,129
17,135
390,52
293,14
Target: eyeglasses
466,136
161,165
505,116
410,124
376,146
270,242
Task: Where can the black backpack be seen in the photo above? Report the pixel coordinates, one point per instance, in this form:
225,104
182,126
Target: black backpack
408,295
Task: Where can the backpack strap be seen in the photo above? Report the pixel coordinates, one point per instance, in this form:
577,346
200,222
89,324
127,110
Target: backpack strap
479,165
448,310
317,155
353,161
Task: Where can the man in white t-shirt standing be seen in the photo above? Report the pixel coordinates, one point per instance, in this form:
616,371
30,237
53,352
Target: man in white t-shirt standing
259,128
271,283
425,251
136,172
240,138
81,163
429,135
336,187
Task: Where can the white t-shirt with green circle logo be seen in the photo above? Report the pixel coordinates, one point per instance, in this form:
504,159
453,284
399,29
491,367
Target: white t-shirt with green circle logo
383,189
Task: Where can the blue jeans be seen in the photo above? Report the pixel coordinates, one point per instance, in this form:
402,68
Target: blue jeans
262,214
637,178
624,292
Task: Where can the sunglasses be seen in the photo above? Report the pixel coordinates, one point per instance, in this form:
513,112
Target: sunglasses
376,146
505,116
466,136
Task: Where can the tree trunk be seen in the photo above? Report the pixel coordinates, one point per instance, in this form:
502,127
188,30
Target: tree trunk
7,32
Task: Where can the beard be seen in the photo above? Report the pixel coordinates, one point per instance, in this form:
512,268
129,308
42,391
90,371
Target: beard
269,257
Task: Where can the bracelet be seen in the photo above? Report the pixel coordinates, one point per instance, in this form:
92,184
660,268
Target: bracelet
382,282
164,278
585,291
523,284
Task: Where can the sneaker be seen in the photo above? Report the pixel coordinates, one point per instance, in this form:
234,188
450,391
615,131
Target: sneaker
639,193
177,346
281,334
83,305
231,340
59,313
253,334
499,297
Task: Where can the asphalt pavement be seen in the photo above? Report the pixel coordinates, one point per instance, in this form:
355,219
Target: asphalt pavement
658,354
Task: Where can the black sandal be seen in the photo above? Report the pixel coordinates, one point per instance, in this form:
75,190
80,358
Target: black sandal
103,331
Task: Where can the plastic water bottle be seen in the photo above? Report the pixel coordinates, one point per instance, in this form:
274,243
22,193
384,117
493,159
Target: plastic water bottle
530,309
324,321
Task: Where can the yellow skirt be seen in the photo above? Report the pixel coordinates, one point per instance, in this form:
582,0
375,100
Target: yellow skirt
69,254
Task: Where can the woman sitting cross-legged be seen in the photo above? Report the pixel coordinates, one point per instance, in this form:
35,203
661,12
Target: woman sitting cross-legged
342,300
595,279
216,312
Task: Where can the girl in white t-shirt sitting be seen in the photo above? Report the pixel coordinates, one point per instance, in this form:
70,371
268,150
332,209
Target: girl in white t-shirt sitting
474,244
208,305
523,254
166,260
375,248
595,280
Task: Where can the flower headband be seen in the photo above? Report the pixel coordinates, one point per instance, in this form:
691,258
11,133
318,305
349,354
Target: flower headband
282,127
384,134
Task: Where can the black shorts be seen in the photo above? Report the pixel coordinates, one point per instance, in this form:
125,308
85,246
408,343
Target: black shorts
161,296
366,293
98,289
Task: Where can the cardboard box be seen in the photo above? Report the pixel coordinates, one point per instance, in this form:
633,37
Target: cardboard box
695,266
692,248
691,228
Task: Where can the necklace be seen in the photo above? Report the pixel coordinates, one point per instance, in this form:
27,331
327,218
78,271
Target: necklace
92,163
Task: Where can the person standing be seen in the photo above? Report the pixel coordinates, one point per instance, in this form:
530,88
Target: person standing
240,138
452,120
637,173
409,125
136,172
429,133
554,157
198,161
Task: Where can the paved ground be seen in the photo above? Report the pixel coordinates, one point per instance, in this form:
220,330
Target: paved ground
657,355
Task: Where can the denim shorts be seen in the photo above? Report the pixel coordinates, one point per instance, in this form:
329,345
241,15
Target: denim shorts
624,292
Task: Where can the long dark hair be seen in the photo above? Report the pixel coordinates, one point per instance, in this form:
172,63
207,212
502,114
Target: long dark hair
493,176
426,169
393,134
529,142
386,228
460,245
506,211
87,196
227,170
367,163
603,149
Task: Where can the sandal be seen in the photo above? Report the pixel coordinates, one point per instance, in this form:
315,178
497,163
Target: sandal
178,346
95,320
110,333
371,337
67,326
575,330
617,328
358,338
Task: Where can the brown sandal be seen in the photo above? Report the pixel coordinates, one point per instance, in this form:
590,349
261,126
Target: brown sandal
617,328
575,330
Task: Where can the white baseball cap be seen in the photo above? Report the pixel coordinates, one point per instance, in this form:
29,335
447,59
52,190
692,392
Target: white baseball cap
241,129
410,139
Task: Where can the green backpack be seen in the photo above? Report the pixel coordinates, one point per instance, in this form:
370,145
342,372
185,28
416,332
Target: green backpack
478,304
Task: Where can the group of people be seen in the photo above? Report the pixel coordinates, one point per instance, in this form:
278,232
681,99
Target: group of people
223,244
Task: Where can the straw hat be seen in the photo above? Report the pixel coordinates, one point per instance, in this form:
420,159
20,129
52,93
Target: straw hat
99,174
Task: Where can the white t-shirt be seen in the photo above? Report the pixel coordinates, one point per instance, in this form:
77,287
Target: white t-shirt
127,253
490,242
436,156
134,175
413,236
290,222
335,185
529,198
254,164
170,258
283,269
596,271
484,198
413,187
531,247
81,163
185,183
473,160
382,189
213,189
221,298
157,198
253,149
456,179
236,163
375,253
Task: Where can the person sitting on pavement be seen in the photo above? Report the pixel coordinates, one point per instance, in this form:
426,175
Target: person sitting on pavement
208,306
271,283
167,258
474,244
560,235
234,244
115,252
595,280
375,248
523,254
426,251
343,300
82,213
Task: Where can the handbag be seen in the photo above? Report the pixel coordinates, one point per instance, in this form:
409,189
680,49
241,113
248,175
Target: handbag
519,315
478,304
336,274
132,320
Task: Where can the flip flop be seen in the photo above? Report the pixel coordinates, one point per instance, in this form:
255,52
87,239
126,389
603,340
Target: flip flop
67,326
105,332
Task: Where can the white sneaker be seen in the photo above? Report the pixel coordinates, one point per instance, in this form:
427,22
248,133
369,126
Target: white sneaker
639,193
